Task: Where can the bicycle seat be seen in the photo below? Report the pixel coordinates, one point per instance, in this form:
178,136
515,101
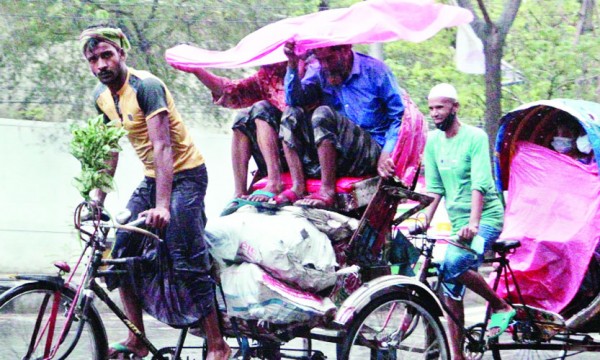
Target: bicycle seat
501,246
63,266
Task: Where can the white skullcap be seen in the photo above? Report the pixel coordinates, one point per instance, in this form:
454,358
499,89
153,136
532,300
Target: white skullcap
443,90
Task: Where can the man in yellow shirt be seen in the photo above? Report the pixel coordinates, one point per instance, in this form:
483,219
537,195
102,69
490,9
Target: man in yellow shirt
171,197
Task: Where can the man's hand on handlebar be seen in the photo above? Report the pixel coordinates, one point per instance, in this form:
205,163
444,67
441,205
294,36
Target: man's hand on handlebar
157,217
93,211
417,228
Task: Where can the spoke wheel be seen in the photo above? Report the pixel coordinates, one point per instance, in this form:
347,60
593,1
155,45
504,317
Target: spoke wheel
395,326
527,350
24,325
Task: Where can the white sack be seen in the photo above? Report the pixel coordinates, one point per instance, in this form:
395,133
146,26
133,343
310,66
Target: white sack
289,247
252,294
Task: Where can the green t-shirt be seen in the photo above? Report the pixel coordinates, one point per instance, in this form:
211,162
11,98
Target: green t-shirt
455,167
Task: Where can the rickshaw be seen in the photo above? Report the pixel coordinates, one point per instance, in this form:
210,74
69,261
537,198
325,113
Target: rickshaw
553,210
55,317
371,308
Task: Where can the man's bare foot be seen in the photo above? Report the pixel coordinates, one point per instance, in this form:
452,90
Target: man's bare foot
286,197
265,194
126,348
222,353
500,321
317,200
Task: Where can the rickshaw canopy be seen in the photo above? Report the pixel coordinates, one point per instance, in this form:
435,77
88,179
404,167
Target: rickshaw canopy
534,122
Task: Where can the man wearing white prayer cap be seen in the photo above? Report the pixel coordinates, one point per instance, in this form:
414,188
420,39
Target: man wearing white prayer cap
458,168
443,116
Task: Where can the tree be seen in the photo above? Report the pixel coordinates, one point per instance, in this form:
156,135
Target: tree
586,18
493,35
43,74
541,46
552,43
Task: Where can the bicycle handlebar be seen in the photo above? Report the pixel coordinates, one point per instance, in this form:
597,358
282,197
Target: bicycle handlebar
134,226
454,240
106,221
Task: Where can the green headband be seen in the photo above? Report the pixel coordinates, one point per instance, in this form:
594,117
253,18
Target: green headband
112,35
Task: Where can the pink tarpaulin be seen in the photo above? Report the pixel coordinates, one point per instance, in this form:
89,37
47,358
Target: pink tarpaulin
365,22
553,208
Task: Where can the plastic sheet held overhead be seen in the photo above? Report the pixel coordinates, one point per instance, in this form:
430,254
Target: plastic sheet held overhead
365,22
553,208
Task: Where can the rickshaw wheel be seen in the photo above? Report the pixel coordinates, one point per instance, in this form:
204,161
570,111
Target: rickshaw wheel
528,351
395,326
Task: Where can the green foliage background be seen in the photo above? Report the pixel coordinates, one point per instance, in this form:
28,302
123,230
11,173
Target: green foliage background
43,75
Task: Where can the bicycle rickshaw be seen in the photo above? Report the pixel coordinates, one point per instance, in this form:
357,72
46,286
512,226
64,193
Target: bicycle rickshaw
53,317
387,316
552,208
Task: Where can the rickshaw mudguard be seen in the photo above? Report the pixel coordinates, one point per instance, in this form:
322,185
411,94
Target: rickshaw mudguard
385,285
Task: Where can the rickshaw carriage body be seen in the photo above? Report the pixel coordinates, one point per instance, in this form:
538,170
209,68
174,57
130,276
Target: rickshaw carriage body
374,202
540,186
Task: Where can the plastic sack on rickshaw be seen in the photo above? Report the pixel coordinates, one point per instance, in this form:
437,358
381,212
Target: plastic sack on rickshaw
552,203
286,245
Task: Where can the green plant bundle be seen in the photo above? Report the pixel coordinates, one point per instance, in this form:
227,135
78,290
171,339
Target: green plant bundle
93,144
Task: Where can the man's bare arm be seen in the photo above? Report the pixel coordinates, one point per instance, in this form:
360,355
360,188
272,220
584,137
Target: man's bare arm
99,196
214,83
159,134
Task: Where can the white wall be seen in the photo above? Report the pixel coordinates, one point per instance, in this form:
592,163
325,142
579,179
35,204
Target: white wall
37,195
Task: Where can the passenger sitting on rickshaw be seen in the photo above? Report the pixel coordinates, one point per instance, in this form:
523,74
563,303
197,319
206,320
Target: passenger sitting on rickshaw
255,129
457,167
571,139
355,130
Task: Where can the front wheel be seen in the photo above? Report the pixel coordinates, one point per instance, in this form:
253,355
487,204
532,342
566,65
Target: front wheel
25,326
395,326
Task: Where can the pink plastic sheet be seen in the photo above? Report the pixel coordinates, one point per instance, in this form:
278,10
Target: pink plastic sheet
365,22
553,208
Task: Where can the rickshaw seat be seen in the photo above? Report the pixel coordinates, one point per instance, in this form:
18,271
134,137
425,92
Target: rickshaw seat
356,192
504,245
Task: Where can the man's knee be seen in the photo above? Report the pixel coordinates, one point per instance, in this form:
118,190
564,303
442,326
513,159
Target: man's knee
241,119
291,116
324,117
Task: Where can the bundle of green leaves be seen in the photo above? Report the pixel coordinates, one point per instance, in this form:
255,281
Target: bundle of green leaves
93,144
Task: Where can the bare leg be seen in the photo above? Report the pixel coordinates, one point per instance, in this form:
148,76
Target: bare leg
296,170
455,329
327,159
133,310
217,347
474,281
241,152
268,144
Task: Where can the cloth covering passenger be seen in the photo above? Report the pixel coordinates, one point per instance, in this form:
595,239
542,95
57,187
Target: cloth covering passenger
458,168
175,285
261,97
354,130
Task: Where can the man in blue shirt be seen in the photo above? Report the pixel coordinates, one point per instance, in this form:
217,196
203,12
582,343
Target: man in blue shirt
355,129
